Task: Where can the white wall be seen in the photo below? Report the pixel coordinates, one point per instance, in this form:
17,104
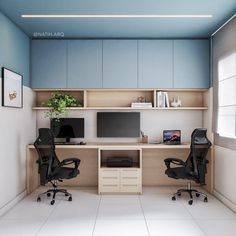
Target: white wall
225,176
17,129
224,44
152,123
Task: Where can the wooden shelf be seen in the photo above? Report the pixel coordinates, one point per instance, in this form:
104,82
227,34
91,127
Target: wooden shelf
68,108
181,108
121,99
127,108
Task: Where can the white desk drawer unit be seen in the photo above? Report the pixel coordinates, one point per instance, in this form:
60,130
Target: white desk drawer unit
120,179
126,180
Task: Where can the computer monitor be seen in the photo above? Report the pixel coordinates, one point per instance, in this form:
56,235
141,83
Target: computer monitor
68,128
118,124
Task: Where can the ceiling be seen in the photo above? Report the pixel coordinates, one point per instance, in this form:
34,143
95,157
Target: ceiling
221,10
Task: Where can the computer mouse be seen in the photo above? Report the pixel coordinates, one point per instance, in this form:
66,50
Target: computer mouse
82,143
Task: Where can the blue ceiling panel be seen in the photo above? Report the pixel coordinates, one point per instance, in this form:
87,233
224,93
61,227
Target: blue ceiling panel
221,10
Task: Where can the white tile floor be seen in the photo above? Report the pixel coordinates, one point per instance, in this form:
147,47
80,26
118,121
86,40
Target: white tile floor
151,214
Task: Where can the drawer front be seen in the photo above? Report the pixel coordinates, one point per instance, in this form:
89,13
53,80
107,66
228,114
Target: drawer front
130,181
110,180
109,188
130,172
109,173
131,188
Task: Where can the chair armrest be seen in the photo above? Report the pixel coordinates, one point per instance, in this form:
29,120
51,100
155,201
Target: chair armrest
71,160
175,161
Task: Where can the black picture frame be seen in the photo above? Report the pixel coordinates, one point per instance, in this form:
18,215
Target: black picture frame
12,88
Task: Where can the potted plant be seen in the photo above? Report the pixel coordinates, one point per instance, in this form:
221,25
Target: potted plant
58,104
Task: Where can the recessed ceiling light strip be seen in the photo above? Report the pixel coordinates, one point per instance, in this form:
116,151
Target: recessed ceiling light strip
115,16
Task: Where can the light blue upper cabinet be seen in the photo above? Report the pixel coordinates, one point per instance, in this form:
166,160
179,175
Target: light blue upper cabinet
191,64
155,62
120,64
84,64
48,63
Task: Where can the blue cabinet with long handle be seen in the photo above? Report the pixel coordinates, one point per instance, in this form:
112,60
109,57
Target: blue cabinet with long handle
84,64
49,64
191,63
155,64
120,64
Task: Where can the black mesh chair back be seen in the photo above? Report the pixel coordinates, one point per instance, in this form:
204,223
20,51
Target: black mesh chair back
197,158
47,160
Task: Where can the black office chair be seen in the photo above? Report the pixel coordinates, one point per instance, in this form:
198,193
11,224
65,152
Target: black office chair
194,168
50,168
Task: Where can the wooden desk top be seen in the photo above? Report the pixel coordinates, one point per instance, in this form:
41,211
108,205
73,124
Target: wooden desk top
126,146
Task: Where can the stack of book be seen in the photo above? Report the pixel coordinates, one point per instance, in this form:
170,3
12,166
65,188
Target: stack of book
162,99
141,104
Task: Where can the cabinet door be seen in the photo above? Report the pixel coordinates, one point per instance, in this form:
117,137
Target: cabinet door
120,64
85,64
191,64
155,64
48,63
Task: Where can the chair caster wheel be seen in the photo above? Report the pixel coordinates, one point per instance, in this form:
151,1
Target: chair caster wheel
190,202
52,202
179,194
48,194
70,199
173,198
38,199
197,194
205,199
66,194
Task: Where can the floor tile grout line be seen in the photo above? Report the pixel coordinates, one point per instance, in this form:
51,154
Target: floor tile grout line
97,215
196,222
143,215
193,218
47,218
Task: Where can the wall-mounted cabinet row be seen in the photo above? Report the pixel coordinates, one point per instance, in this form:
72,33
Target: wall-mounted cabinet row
192,99
120,64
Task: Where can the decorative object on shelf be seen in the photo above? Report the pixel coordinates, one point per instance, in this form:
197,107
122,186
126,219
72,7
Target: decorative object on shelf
141,99
12,89
176,102
141,103
162,99
58,104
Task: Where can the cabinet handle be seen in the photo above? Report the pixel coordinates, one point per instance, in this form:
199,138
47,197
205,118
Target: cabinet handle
109,185
130,177
109,177
130,185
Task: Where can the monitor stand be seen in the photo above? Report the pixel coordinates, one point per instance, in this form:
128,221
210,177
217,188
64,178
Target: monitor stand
68,142
67,139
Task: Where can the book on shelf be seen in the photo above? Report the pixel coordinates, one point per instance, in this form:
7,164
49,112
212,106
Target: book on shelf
162,99
141,104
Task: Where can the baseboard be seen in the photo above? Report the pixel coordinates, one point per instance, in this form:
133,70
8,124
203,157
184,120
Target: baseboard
225,200
13,202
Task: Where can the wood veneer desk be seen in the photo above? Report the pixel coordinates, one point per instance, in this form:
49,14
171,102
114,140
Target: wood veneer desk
153,167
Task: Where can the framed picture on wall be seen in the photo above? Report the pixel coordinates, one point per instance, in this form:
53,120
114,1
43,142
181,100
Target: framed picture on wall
12,88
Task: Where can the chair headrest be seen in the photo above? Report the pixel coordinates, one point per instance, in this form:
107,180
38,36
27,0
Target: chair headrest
199,136
46,136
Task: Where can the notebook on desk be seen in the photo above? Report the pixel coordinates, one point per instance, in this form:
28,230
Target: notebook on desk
172,137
